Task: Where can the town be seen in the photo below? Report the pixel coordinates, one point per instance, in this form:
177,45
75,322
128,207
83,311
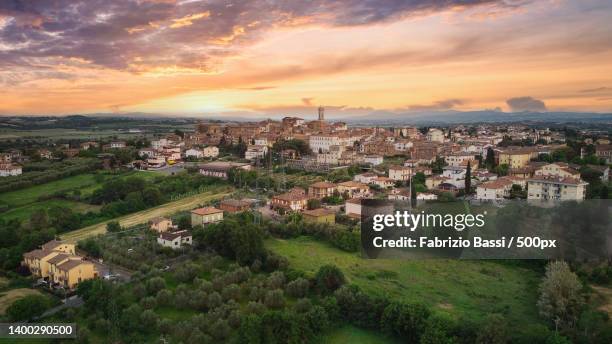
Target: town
149,208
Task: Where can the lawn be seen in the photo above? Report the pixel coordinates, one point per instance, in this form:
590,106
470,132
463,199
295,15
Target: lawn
471,289
355,335
8,297
29,195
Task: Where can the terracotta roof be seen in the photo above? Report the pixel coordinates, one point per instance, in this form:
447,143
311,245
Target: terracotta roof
51,245
38,253
291,196
558,180
60,257
496,184
322,185
318,212
354,200
169,236
353,184
206,211
71,264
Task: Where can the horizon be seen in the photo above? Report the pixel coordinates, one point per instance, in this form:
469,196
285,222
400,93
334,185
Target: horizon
195,58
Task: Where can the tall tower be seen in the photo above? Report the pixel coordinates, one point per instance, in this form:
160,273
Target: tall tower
321,113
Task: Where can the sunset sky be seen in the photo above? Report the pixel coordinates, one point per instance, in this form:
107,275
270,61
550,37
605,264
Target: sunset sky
264,57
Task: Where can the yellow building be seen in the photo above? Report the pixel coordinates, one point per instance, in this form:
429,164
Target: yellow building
320,215
515,158
206,215
56,262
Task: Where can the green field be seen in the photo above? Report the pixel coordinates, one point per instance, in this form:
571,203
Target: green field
355,335
22,203
6,134
471,289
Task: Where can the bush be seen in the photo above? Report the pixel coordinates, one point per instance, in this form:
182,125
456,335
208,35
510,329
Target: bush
274,299
298,288
28,307
329,278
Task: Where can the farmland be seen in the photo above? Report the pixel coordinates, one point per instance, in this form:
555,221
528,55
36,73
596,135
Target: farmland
144,216
468,289
22,203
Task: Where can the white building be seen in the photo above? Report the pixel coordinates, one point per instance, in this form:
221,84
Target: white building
210,152
373,159
366,178
175,240
117,144
159,144
426,196
401,173
435,135
323,142
494,190
352,207
255,152
148,152
194,153
556,188
7,170
460,159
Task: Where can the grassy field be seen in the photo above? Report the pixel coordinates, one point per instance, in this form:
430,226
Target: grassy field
471,289
8,297
6,134
22,203
355,335
144,216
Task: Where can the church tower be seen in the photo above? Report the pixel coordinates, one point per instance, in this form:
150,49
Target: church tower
321,113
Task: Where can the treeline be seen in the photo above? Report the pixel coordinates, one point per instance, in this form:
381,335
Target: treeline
48,171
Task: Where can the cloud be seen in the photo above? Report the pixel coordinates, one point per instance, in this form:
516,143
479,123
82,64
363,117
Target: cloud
519,104
445,104
307,101
257,88
137,35
597,90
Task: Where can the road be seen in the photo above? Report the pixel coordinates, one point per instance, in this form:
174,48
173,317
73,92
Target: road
144,216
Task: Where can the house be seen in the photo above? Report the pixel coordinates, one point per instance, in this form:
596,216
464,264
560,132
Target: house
373,159
320,215
255,152
604,152
384,182
220,169
194,153
160,224
117,144
400,173
458,159
156,162
354,189
57,262
366,178
556,188
514,157
234,205
321,189
45,154
604,170
206,215
148,152
434,181
352,208
448,187
494,190
175,240
210,152
72,272
557,169
5,158
426,196
402,194
435,135
293,200
8,170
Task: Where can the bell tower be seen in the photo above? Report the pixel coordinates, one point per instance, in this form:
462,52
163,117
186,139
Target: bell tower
321,113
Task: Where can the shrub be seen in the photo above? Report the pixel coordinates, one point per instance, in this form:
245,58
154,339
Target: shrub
298,287
329,278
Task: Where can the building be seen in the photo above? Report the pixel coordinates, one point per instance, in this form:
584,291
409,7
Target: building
556,188
557,169
320,215
210,152
514,157
354,189
117,144
458,159
206,215
321,143
294,200
255,152
400,173
57,263
494,190
175,240
604,152
220,169
365,178
384,182
160,224
234,205
9,170
194,153
426,196
321,189
374,160
435,135
352,208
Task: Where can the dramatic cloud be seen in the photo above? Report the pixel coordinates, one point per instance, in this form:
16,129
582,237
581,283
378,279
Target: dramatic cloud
526,104
307,101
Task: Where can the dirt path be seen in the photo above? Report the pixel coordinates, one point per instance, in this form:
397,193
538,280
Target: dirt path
144,216
606,296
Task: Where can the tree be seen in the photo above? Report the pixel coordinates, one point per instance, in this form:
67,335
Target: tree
39,219
468,178
329,278
490,160
560,299
494,331
28,307
313,203
113,227
407,321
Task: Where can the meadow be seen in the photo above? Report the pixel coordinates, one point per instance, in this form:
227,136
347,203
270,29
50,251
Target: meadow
468,289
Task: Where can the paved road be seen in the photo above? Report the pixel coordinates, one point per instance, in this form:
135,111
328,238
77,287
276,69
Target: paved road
71,302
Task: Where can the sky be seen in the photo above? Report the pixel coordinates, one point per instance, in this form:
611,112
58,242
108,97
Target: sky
266,57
